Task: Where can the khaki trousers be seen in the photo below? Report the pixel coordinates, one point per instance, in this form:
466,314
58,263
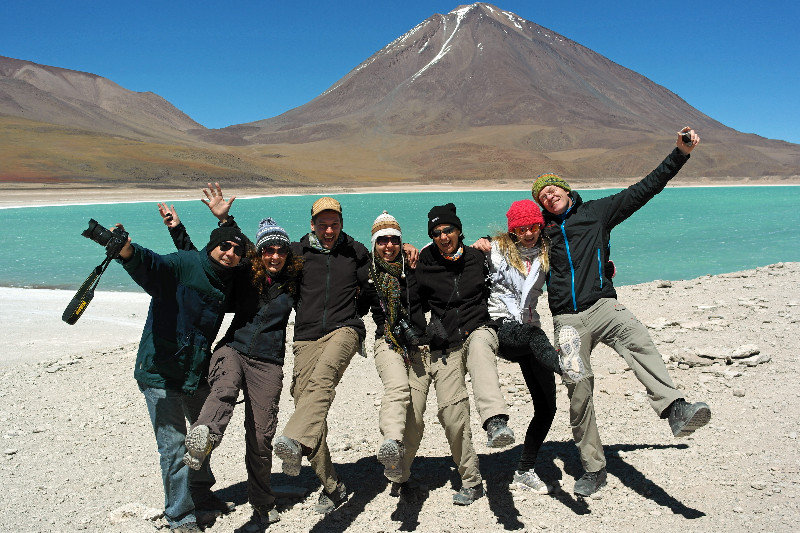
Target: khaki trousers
446,371
393,372
611,323
318,367
480,349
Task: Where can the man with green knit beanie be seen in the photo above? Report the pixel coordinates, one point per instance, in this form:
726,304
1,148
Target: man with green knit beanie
585,310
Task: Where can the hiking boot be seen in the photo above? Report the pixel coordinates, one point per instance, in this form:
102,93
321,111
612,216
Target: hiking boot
261,519
529,480
208,501
199,443
329,502
409,491
498,433
590,482
685,418
208,507
390,455
290,452
190,527
467,495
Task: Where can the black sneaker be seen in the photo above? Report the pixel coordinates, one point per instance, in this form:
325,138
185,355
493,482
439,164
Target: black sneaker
291,453
261,519
467,495
498,433
329,502
590,482
390,455
685,418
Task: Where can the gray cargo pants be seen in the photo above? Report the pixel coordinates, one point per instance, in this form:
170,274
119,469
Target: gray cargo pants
611,323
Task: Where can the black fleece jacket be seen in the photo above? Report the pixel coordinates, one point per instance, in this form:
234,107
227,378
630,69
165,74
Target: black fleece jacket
334,289
456,292
579,239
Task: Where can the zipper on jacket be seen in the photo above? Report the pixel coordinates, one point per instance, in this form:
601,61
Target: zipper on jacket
458,296
327,291
600,268
571,266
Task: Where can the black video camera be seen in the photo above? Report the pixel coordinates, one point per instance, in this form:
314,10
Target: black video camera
114,240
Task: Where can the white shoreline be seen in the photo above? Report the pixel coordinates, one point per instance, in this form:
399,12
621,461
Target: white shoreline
434,191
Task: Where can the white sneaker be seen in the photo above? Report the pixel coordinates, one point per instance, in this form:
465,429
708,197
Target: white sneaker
529,480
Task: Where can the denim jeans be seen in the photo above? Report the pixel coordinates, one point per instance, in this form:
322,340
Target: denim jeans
169,410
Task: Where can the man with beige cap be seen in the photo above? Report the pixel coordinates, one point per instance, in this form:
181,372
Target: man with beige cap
334,294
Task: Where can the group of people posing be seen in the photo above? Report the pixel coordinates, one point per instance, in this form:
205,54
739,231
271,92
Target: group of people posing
481,303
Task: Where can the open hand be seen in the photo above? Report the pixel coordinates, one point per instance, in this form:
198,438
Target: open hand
216,203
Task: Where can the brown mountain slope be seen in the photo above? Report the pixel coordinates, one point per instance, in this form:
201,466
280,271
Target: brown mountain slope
481,92
86,101
476,94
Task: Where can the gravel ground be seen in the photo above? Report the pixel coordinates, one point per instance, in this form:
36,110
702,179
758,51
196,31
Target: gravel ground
79,453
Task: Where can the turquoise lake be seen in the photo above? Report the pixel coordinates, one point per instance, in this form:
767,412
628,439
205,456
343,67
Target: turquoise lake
681,234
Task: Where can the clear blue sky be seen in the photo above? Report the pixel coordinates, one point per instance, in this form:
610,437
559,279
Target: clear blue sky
736,61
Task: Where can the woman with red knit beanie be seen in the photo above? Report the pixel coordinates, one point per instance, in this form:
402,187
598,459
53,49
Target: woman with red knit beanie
518,265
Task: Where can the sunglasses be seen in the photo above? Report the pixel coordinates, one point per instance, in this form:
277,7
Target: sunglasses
275,250
438,232
237,248
384,240
522,230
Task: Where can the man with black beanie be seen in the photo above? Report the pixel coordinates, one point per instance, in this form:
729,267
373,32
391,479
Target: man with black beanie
452,285
190,290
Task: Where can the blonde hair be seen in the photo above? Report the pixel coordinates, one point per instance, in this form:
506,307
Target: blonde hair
507,243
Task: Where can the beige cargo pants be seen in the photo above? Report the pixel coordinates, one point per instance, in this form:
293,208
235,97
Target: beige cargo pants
318,367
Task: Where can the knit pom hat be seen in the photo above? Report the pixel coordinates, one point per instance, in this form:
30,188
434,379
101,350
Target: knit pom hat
326,203
442,214
543,180
270,234
523,213
225,234
385,225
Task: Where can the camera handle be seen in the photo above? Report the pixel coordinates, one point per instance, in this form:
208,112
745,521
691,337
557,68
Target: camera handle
85,294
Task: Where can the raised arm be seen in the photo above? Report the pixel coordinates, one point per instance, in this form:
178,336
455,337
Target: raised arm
617,207
180,237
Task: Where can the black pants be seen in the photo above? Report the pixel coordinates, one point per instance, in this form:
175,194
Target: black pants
520,343
542,386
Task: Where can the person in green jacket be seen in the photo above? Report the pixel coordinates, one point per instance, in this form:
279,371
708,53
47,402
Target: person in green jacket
190,290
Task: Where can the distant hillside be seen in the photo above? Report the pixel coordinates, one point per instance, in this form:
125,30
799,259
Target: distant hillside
475,94
86,101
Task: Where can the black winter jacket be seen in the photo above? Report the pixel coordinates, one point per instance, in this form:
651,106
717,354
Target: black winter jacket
579,239
456,292
334,289
184,317
258,328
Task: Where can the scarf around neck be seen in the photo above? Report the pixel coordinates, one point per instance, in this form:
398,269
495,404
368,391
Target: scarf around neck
386,277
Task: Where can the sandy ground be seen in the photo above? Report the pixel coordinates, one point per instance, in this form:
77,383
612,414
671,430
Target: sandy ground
79,453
